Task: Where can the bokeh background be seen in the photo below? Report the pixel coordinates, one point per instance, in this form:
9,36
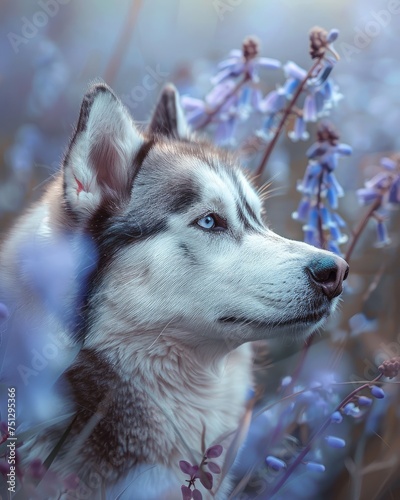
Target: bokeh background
48,60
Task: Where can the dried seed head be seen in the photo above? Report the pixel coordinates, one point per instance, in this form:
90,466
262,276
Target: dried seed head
390,368
327,132
318,42
250,47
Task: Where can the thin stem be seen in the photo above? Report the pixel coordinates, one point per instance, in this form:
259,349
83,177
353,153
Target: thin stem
123,42
317,434
212,113
322,241
284,117
303,354
360,228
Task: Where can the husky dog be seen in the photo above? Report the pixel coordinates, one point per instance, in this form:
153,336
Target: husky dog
186,275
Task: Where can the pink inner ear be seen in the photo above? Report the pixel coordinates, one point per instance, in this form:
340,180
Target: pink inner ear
80,186
106,159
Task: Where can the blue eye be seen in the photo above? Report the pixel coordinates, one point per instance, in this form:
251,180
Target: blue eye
212,222
207,222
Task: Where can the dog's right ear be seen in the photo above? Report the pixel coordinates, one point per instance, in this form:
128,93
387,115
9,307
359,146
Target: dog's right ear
98,165
168,118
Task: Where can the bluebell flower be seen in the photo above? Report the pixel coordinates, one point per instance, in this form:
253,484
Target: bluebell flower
275,463
273,102
235,93
244,62
321,192
364,401
377,392
321,95
382,191
336,417
315,467
335,442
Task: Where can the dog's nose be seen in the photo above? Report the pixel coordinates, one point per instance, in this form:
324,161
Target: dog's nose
328,273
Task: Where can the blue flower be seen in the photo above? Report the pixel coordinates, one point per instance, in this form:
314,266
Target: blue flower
335,442
244,62
383,191
321,191
235,94
377,392
315,467
275,463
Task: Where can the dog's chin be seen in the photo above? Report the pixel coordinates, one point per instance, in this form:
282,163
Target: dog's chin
300,326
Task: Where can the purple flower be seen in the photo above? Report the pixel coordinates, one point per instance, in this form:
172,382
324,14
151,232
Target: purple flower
245,62
336,417
234,94
294,71
197,472
382,235
299,132
275,463
273,102
335,442
310,113
315,467
382,190
377,392
364,401
351,410
322,225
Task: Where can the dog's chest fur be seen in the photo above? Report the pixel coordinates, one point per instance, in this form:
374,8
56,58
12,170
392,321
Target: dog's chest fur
148,413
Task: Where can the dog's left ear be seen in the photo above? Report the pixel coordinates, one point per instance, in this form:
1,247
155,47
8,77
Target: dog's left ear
168,118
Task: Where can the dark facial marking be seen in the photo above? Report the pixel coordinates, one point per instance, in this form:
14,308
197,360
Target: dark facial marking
188,254
184,196
242,203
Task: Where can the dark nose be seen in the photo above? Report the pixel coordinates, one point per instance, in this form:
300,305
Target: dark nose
328,273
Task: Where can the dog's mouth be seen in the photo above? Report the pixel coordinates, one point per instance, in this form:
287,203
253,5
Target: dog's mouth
306,320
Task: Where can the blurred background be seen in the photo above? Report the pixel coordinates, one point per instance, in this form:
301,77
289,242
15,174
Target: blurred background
52,50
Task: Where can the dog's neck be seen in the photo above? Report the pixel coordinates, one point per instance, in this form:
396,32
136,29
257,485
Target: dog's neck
170,392
128,350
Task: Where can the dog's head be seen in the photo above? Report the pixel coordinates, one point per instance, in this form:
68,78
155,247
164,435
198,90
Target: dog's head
181,238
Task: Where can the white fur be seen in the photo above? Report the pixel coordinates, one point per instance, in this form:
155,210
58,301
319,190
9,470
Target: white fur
156,314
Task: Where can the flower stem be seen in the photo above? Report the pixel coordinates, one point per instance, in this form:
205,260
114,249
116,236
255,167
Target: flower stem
284,117
300,457
360,228
123,42
322,241
213,112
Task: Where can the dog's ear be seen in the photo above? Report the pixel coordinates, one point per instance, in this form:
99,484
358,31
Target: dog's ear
168,118
98,164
